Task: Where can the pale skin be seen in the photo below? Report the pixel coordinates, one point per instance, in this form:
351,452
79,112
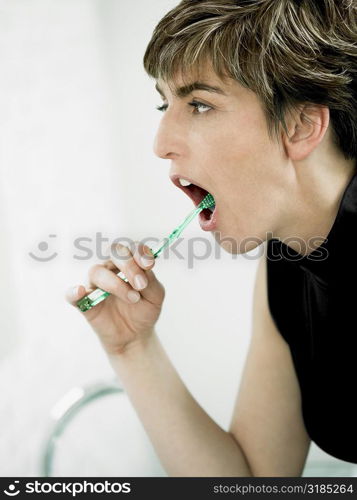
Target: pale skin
292,189
260,186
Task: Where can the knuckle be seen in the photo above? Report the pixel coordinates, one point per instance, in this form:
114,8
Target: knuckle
108,283
93,270
109,264
116,288
120,252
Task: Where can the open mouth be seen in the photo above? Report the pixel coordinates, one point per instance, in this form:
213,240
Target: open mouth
197,193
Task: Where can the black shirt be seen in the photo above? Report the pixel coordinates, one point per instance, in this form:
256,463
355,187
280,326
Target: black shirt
313,302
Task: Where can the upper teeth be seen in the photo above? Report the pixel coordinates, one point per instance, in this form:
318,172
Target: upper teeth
183,182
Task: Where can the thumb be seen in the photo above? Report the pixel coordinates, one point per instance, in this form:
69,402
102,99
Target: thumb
75,293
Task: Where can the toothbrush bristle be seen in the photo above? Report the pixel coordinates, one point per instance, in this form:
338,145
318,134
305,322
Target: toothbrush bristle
208,201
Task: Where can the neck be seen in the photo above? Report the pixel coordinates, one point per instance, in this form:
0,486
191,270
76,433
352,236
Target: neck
315,190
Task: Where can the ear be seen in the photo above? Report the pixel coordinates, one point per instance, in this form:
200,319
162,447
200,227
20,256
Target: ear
307,127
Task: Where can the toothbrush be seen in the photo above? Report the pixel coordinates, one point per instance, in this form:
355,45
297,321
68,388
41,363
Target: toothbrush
95,297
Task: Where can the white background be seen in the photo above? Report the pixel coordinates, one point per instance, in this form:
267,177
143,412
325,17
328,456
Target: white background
78,119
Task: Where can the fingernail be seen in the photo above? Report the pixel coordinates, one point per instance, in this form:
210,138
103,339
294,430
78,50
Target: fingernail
74,291
123,251
148,252
133,296
140,281
146,261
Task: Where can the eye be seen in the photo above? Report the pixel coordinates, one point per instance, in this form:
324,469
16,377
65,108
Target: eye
162,108
199,107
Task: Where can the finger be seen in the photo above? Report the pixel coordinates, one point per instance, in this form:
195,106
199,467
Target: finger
143,256
128,263
75,293
155,291
122,257
109,264
101,277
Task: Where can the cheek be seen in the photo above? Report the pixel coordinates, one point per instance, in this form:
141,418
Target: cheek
237,137
237,156
250,138
248,155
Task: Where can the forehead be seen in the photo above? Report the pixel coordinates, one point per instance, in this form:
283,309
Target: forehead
204,74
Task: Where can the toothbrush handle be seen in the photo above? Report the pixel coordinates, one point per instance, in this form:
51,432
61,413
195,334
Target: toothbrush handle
95,297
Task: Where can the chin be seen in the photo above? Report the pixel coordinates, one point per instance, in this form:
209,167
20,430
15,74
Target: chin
236,245
228,243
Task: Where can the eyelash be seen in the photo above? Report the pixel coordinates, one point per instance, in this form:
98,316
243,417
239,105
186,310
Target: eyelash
194,104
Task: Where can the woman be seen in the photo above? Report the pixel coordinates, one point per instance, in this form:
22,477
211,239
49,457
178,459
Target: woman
259,101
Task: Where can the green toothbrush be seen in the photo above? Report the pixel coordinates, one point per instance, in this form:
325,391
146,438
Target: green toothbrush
92,299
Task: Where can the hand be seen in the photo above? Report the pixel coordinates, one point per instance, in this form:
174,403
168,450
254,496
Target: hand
129,314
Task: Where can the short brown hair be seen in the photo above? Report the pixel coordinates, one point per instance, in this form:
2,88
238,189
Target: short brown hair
286,51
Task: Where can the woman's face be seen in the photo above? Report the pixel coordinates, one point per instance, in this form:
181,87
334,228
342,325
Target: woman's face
222,144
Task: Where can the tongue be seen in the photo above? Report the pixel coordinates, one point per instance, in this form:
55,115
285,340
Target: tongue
198,193
206,213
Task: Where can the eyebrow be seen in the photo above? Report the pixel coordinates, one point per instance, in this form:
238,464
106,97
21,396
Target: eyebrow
187,89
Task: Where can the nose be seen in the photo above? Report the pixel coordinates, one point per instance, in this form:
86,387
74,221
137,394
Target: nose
169,140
